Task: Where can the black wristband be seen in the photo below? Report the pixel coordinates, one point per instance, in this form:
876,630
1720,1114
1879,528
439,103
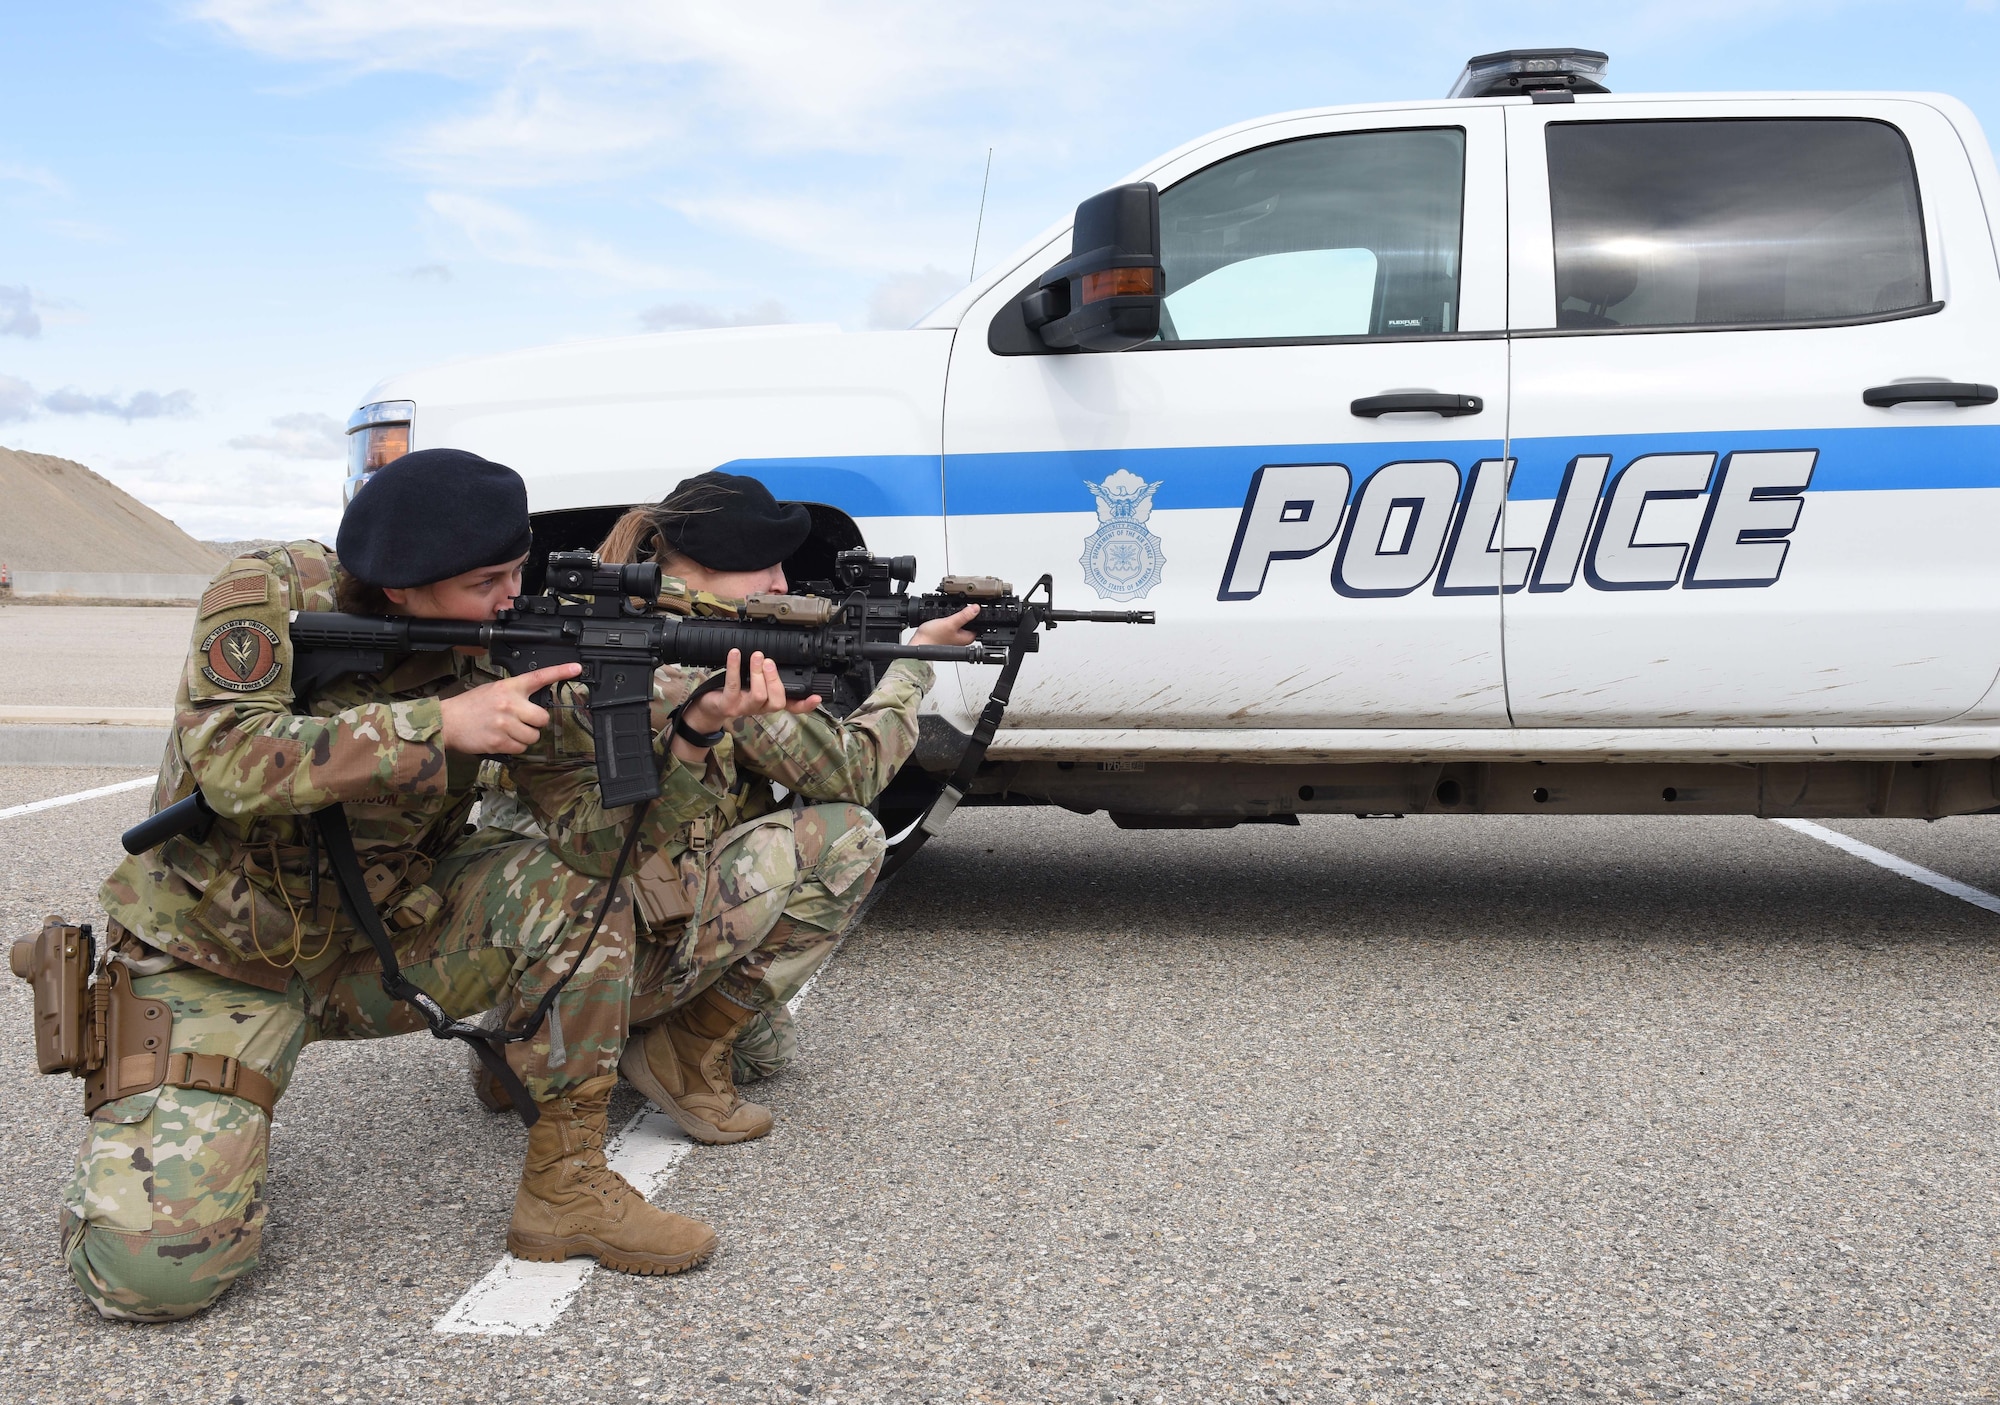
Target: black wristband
704,740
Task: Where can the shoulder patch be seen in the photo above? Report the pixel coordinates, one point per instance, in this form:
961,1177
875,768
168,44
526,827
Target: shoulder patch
241,655
252,589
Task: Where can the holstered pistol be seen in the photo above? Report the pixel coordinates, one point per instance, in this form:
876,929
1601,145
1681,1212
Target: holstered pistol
100,1031
57,964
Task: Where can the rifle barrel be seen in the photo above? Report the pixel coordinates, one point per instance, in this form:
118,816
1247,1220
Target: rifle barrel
1098,616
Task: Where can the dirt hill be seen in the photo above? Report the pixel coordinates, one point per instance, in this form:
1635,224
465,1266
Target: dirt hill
59,516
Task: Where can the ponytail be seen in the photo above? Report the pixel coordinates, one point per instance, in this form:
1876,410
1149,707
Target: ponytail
647,533
627,537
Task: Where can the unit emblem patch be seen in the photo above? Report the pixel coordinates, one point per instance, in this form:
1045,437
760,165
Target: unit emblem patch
241,656
1122,559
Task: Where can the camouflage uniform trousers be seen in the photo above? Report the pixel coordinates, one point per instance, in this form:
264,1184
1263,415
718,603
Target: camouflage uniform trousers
165,1208
770,904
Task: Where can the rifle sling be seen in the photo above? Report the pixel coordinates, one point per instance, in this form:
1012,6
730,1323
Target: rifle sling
338,841
940,809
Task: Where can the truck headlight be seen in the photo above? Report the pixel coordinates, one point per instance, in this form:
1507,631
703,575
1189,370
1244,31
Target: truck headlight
376,434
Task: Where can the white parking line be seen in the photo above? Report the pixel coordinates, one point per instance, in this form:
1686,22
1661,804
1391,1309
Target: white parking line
29,809
1964,892
521,1299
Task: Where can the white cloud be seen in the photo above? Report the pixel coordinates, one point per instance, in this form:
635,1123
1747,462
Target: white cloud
83,231
860,231
33,175
507,236
233,501
869,119
306,435
688,316
900,299
21,401
798,74
17,400
140,405
531,132
19,316
428,273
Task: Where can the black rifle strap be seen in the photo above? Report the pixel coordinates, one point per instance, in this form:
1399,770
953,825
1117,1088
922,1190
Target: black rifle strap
548,1000
714,683
954,790
338,840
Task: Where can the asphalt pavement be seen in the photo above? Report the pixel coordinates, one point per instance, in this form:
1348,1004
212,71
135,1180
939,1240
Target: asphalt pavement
93,656
1432,1109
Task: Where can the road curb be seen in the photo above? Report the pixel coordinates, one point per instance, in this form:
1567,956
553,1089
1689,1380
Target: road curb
82,746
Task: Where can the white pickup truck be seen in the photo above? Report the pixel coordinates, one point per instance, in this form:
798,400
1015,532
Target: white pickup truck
1537,449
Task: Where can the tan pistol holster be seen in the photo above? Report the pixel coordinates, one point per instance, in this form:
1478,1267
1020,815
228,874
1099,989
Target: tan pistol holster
117,1042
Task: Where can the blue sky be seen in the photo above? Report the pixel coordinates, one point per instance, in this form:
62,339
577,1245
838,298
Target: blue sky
221,222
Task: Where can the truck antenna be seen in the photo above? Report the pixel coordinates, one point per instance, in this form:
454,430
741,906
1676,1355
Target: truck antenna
980,223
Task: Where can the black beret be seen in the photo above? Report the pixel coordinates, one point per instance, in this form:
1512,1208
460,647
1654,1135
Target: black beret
432,515
728,522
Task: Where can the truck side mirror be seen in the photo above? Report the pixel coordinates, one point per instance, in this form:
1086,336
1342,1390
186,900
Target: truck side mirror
1106,295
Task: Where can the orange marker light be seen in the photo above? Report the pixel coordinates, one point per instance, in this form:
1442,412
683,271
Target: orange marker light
382,443
1118,282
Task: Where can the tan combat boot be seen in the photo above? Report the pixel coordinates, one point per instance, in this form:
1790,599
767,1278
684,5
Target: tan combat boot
571,1203
683,1065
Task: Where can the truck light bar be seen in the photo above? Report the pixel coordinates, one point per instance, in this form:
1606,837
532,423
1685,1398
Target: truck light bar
1513,72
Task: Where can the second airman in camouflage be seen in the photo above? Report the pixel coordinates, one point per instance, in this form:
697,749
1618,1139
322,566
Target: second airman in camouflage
740,907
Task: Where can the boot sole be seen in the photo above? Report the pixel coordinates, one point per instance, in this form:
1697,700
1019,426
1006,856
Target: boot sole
632,1063
548,1249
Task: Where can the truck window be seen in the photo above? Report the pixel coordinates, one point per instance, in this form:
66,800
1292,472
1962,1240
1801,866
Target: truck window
1355,235
1732,221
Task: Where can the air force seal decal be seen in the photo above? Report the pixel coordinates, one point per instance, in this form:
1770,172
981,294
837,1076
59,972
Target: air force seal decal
241,656
1122,558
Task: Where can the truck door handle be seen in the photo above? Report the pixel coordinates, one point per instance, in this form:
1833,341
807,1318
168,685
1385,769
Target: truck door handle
1959,393
1407,402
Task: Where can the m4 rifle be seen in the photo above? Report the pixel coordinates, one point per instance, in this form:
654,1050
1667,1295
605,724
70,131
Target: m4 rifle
826,640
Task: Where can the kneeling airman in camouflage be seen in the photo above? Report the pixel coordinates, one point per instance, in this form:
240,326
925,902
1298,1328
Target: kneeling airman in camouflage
239,937
744,903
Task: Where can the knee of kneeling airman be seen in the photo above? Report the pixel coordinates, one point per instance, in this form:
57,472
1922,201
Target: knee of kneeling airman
165,1212
857,825
158,1275
835,834
854,851
874,838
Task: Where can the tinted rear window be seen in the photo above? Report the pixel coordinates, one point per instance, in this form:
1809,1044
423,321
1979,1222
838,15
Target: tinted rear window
1721,222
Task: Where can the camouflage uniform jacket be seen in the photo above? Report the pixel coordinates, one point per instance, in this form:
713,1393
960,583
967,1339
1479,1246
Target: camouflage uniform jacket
255,900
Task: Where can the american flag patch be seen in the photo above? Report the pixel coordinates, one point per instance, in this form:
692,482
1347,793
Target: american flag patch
237,590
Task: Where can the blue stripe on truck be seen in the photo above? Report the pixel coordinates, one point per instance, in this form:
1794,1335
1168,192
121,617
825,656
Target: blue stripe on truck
867,485
1217,476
